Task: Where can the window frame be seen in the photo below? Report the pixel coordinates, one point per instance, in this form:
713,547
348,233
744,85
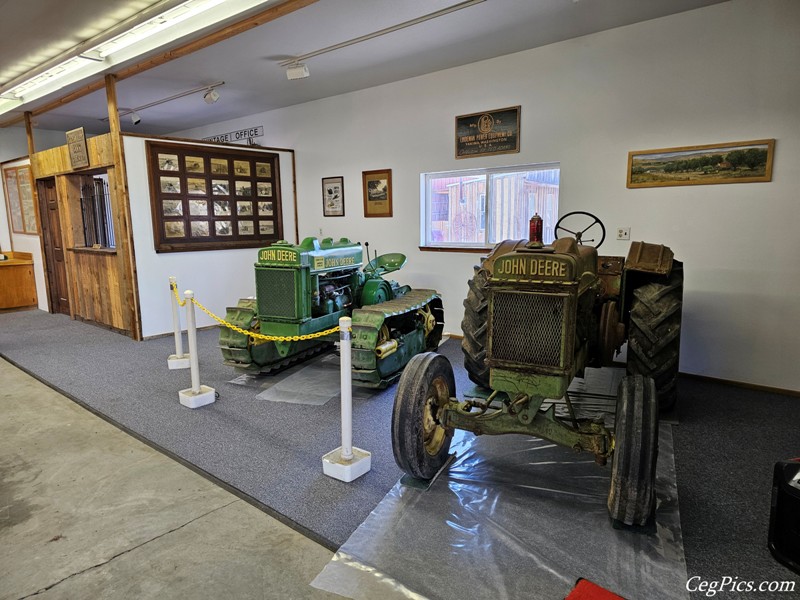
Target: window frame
488,203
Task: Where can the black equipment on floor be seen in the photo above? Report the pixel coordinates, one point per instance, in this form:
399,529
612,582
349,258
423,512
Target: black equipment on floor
784,521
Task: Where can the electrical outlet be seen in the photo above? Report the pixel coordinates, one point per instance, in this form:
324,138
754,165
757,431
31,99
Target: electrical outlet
623,233
320,232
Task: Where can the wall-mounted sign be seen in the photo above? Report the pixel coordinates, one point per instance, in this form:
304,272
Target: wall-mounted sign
237,136
78,152
487,133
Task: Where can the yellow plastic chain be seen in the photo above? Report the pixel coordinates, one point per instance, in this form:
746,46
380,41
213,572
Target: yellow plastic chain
253,334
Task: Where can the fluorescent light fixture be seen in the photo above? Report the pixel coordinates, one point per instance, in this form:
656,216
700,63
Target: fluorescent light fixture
182,20
297,71
211,96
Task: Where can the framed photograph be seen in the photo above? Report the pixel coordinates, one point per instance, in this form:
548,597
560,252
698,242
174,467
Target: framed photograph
168,162
488,133
198,208
195,164
246,228
244,208
731,162
220,187
377,193
174,229
266,227
265,209
172,208
170,185
222,208
223,228
333,196
243,188
196,186
263,169
241,168
199,228
219,166
264,189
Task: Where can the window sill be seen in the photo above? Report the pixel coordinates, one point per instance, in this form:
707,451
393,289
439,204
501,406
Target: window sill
82,250
455,249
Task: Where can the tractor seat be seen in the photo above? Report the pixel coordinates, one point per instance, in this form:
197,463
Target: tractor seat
585,255
386,263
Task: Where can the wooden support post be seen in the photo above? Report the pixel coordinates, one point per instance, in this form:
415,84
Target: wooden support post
120,202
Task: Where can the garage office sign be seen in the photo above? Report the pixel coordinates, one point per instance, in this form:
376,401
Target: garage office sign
236,136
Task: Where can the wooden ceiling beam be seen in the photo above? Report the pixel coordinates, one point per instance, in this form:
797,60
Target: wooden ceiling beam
229,31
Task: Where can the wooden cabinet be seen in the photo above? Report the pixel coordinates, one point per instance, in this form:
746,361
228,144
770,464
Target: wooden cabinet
17,285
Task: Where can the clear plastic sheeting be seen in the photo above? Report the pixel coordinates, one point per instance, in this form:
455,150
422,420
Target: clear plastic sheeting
513,517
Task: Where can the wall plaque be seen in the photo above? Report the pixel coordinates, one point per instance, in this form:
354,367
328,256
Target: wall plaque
78,152
487,133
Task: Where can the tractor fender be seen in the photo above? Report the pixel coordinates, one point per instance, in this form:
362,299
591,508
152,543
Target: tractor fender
649,258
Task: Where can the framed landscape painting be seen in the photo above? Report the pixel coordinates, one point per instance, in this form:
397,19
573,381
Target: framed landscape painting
732,162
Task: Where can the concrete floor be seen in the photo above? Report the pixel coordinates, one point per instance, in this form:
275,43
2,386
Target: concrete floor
87,511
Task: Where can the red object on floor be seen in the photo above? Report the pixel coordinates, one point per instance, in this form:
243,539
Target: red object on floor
586,590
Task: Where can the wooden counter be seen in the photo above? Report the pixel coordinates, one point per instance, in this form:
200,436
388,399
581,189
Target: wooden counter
17,285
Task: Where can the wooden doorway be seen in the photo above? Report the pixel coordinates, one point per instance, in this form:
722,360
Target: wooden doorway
53,246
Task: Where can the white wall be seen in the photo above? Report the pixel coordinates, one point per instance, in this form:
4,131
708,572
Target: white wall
719,74
218,278
13,145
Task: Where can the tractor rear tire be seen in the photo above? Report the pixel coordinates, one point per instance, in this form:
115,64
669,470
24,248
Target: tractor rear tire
654,338
474,324
421,445
631,498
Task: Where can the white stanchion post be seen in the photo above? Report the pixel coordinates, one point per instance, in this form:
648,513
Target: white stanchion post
197,395
179,360
346,463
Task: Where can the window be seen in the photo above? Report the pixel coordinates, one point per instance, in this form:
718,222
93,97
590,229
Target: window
480,207
98,230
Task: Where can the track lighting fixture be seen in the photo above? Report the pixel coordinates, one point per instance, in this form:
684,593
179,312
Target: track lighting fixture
135,118
296,71
211,96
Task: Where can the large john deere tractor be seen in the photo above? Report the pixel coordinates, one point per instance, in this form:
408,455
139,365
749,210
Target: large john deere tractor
303,290
535,317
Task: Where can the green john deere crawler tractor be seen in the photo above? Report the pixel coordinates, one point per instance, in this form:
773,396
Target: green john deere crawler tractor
302,291
535,317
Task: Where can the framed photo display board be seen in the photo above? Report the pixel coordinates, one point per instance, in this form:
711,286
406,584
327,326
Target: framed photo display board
19,197
206,198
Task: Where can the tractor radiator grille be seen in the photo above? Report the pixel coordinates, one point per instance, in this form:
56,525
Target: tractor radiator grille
275,289
528,328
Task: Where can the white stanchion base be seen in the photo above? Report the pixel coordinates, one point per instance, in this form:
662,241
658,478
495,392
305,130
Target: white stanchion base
188,398
333,465
178,362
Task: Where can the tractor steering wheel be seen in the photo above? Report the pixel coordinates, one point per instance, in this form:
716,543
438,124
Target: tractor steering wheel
577,232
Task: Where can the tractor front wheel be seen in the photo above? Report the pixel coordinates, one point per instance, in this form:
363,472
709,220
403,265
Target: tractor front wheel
631,499
419,441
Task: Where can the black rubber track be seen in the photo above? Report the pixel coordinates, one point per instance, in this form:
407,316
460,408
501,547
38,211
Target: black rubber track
631,498
654,337
474,324
407,418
